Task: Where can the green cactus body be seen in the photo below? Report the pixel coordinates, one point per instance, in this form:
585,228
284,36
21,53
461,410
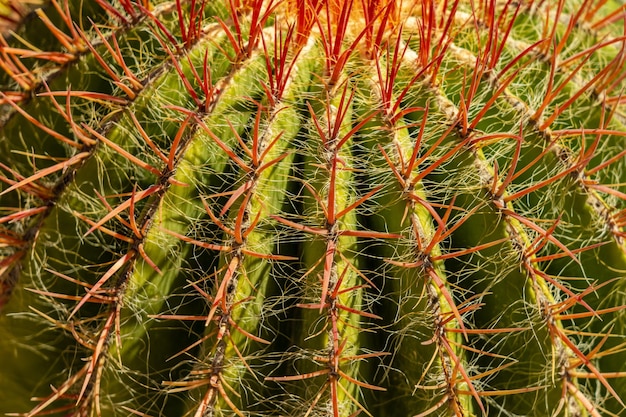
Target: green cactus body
312,208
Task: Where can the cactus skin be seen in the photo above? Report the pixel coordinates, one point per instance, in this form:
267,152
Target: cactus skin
313,208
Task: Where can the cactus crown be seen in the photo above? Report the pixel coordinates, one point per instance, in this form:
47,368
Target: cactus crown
313,208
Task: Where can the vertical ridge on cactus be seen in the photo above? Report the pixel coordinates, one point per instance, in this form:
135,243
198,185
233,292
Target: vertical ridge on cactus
313,208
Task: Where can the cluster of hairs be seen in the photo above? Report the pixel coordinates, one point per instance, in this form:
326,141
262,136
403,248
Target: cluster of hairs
313,208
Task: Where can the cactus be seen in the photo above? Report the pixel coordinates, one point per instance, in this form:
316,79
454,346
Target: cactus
313,208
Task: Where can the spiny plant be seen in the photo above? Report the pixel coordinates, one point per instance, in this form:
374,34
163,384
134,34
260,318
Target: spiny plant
313,208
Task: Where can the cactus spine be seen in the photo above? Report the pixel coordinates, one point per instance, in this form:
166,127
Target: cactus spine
313,208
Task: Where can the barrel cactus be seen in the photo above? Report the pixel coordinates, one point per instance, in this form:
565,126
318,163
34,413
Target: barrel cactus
313,208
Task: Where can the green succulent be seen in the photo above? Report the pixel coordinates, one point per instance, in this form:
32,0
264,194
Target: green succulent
313,208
